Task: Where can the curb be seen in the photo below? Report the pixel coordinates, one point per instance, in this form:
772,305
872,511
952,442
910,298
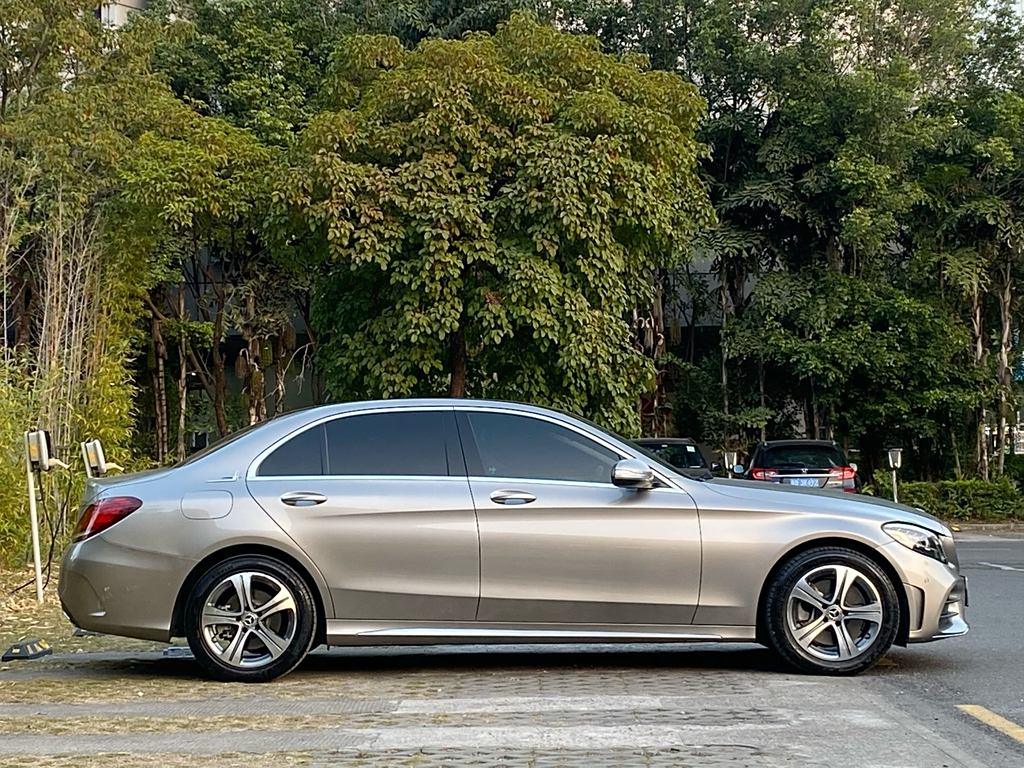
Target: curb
968,527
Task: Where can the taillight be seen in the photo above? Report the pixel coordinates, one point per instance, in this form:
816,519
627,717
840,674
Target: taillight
102,514
846,476
764,474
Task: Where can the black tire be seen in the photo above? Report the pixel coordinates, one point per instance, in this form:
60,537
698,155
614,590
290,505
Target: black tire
835,642
291,627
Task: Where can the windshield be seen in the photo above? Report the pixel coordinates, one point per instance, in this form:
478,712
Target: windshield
681,455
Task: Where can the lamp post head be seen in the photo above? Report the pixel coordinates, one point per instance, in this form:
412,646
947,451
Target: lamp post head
895,458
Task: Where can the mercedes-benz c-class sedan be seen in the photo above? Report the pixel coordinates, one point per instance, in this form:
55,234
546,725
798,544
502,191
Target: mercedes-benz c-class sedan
455,521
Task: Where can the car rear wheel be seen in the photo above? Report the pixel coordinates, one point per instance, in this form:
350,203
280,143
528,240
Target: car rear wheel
831,610
250,619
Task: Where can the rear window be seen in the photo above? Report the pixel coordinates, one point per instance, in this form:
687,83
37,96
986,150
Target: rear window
799,456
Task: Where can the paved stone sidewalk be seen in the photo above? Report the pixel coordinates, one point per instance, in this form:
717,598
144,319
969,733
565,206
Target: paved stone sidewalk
466,708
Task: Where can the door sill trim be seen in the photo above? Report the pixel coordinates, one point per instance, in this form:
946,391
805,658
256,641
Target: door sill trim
345,632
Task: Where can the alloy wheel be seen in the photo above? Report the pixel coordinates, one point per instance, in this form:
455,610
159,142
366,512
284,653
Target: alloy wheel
249,619
834,613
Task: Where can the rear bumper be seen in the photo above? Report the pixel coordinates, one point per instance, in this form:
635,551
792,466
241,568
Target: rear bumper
117,590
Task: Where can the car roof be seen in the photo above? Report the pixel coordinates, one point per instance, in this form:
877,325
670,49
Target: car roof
808,442
665,441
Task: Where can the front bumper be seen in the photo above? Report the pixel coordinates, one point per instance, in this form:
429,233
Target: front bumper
118,590
936,595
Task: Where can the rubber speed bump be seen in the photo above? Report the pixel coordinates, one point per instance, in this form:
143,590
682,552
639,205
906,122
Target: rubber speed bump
27,649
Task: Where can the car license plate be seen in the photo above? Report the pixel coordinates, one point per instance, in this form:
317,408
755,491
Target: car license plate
810,481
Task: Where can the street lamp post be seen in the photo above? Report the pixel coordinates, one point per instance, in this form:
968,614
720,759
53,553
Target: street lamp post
730,458
895,462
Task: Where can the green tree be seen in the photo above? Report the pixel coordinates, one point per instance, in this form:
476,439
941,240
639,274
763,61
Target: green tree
489,211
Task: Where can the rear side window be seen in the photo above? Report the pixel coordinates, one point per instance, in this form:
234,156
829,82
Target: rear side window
397,443
799,456
302,455
522,447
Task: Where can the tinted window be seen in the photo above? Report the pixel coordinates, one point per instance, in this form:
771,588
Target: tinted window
678,454
302,455
400,443
519,446
799,456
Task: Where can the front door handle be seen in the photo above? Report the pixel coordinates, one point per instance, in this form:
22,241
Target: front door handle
303,499
512,497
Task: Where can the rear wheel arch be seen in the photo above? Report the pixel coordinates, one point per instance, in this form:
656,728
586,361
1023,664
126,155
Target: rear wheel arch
902,634
237,550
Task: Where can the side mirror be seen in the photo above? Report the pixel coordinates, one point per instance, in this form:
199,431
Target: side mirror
738,469
715,466
631,473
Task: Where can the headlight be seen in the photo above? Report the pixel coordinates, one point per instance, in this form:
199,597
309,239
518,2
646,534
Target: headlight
918,539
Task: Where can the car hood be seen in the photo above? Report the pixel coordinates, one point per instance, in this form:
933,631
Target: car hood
758,494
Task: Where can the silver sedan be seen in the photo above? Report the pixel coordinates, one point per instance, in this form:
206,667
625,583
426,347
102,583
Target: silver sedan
455,521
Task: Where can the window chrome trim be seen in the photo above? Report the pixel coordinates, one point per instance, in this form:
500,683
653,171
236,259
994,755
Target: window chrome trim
254,465
456,407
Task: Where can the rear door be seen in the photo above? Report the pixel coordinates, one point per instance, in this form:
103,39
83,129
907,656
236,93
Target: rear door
559,543
381,503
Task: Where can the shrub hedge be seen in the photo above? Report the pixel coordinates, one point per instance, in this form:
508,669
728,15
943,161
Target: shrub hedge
991,500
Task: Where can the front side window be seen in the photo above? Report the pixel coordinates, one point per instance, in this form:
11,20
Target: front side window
515,446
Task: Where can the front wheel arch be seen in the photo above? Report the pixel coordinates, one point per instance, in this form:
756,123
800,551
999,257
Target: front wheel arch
902,633
240,550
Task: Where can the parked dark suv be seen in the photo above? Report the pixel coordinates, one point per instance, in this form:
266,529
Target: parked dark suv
681,453
811,463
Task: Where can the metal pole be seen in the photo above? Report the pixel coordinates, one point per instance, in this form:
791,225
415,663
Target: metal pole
34,517
894,496
85,460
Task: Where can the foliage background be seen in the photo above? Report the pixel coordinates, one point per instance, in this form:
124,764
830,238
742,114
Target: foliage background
225,203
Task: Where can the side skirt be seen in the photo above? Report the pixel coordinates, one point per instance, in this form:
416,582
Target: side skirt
343,632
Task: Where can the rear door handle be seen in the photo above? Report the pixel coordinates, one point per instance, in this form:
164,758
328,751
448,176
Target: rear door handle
303,499
512,497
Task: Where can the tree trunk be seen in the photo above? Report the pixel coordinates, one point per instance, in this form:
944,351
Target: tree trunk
280,371
457,350
956,454
219,379
978,334
182,373
724,349
159,389
255,384
1003,372
760,386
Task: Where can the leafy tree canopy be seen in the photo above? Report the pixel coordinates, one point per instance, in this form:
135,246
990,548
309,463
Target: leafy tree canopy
490,210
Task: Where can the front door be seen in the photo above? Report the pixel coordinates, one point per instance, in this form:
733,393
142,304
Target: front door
559,543
380,502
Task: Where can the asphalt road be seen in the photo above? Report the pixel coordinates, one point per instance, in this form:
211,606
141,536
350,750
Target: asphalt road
986,667
590,706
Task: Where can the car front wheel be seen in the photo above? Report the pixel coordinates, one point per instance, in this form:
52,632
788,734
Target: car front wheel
831,610
250,619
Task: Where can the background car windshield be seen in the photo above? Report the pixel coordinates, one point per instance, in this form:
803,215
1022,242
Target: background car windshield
822,456
679,455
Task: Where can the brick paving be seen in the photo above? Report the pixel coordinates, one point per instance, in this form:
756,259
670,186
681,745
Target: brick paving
587,706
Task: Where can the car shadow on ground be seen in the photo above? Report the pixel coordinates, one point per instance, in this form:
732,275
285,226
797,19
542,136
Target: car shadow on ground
485,660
